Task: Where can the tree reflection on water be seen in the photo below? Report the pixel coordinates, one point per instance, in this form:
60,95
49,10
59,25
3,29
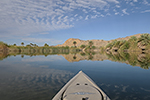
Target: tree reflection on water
133,58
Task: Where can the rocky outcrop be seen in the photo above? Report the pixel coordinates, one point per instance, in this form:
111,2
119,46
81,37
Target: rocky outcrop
3,48
97,43
141,46
128,37
78,57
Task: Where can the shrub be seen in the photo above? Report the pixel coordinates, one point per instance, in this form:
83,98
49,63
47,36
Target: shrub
83,46
122,42
2,43
116,44
110,45
82,54
126,45
144,39
93,47
133,38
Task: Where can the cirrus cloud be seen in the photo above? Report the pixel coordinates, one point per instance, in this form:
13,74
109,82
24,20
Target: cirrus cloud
27,17
42,40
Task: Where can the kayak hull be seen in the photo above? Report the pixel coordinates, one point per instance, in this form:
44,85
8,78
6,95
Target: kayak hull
81,87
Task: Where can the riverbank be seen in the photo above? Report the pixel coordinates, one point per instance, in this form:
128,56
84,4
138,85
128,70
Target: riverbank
136,43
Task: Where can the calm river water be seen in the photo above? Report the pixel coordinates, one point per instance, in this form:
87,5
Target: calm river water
40,77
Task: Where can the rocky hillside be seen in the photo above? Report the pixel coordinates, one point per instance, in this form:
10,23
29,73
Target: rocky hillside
97,43
3,46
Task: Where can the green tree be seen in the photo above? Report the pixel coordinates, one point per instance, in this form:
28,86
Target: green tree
15,45
35,45
31,44
22,56
74,57
90,43
22,43
74,42
46,45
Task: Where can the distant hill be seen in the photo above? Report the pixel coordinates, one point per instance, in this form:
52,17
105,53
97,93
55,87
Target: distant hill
97,43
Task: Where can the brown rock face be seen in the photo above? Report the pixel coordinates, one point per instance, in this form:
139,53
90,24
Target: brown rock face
3,48
97,43
141,46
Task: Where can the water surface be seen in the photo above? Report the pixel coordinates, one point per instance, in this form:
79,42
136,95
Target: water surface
40,77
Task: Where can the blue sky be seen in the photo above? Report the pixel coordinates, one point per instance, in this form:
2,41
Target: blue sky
55,21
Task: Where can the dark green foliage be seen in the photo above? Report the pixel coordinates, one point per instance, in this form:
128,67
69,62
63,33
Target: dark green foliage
90,43
133,38
122,42
67,47
144,39
74,57
116,44
110,45
82,54
2,43
74,42
46,45
83,46
28,45
133,63
22,43
93,47
127,45
15,45
90,57
145,64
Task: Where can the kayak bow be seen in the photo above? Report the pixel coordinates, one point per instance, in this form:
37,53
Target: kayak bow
81,87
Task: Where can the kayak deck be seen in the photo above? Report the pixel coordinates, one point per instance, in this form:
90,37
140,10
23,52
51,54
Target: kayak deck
81,87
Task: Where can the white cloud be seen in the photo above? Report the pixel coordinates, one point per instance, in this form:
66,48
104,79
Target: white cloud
44,33
135,0
87,17
42,40
102,15
84,10
146,2
115,1
42,58
132,4
75,15
108,14
145,11
95,16
116,13
24,18
117,6
29,17
125,11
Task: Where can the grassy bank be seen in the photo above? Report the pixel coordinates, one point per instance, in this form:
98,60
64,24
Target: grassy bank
134,44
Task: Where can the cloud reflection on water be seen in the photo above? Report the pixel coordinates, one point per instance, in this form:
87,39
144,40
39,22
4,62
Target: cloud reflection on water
22,79
42,58
27,83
